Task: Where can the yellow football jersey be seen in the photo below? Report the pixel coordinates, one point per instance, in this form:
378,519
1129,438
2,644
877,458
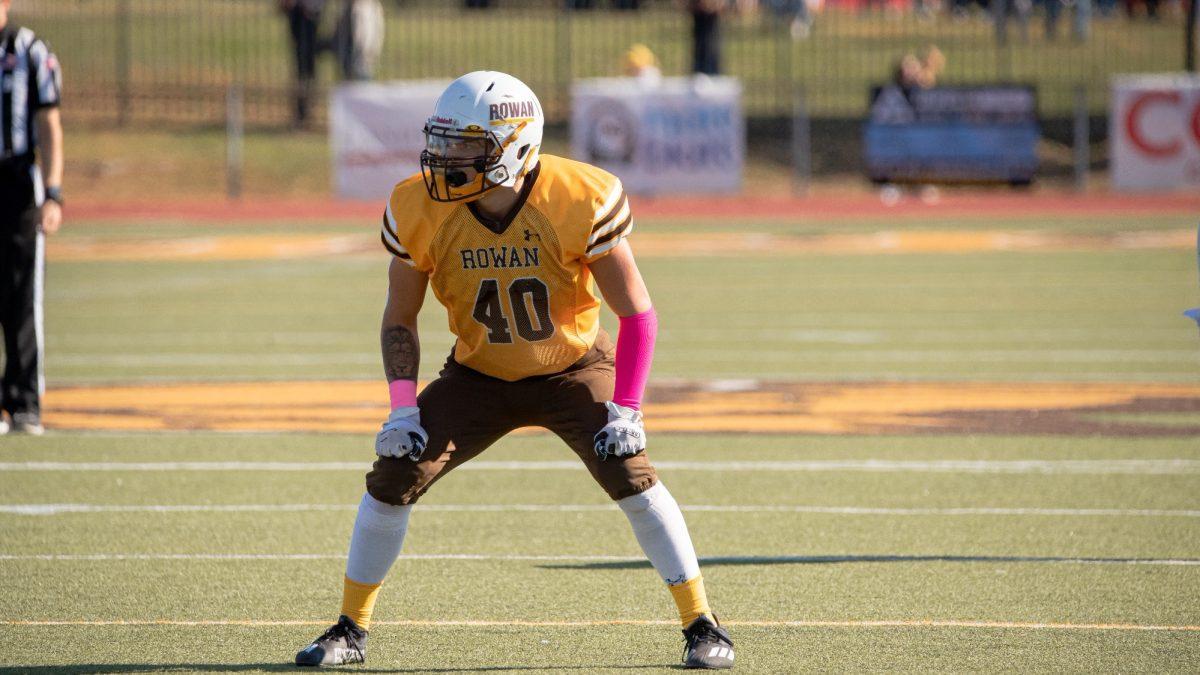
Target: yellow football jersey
520,300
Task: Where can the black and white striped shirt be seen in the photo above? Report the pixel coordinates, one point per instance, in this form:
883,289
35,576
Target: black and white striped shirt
30,79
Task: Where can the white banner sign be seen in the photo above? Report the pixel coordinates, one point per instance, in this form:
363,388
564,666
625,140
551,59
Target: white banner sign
675,135
1154,131
375,133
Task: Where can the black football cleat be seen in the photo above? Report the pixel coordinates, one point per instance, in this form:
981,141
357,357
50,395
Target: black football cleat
707,645
343,643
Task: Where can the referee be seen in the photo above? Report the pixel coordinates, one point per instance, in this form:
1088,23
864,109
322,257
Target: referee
30,208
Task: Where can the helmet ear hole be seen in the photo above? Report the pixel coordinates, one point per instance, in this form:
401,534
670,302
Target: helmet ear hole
521,153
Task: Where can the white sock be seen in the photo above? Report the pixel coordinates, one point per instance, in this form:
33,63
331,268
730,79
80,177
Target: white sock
378,534
659,528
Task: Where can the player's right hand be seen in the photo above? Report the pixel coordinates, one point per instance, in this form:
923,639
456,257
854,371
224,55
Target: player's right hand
402,435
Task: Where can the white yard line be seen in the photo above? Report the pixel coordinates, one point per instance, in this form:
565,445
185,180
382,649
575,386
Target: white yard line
483,557
435,623
1015,466
62,509
173,359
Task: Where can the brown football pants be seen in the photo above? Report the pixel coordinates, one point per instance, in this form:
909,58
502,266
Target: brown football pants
465,411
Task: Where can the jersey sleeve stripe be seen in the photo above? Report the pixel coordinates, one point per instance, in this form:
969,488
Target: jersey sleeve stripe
618,232
392,249
389,222
609,245
391,242
616,222
610,203
613,213
393,245
389,236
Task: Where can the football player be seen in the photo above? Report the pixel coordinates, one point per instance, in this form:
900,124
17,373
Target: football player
514,244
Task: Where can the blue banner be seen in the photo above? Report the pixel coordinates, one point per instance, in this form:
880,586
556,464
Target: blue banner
952,134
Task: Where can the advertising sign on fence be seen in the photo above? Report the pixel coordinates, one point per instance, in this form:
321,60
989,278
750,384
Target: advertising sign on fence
1154,131
678,135
952,134
375,133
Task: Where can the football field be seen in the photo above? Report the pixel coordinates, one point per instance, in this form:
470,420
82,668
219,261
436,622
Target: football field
912,443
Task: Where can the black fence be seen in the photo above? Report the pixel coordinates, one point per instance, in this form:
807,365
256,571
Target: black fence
172,61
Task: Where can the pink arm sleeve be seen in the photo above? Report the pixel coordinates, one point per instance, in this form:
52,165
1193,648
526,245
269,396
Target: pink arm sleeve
635,352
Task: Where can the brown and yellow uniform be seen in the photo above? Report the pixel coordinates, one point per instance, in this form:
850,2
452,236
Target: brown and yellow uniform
523,306
519,295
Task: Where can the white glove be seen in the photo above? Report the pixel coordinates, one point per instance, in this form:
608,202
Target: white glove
402,435
623,436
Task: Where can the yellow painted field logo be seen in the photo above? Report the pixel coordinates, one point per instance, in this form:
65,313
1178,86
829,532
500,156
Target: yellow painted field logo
719,406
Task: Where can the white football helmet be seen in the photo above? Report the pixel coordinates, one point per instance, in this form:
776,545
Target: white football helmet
485,132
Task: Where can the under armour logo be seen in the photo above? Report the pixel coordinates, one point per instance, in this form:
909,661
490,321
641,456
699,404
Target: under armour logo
530,235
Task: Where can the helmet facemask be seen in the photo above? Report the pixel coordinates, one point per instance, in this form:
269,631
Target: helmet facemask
458,164
485,132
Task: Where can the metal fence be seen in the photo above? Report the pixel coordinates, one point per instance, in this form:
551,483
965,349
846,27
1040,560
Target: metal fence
172,61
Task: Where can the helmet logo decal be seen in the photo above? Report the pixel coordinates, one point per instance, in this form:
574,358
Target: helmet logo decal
503,111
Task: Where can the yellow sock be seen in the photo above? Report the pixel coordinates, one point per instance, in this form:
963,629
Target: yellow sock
358,601
691,599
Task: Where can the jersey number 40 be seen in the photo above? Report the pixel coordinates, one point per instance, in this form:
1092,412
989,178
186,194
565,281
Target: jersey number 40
489,311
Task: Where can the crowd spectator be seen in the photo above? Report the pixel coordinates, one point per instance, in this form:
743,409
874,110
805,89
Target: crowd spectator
919,70
304,16
1151,9
796,13
916,70
1081,17
358,39
1003,10
641,64
589,4
706,35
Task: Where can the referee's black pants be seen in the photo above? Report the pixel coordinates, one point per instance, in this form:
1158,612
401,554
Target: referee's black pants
22,269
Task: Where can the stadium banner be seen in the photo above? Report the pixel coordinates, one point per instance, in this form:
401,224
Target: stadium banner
677,135
1154,132
375,132
952,134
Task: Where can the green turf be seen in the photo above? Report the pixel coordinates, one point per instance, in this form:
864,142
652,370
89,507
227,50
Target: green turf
1023,316
1068,316
461,650
834,567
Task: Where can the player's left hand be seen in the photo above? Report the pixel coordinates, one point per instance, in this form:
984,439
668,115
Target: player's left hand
51,217
624,434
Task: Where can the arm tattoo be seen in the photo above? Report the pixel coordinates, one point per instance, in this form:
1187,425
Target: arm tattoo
401,353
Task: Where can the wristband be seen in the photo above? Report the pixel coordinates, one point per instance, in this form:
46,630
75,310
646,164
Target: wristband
54,194
403,393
